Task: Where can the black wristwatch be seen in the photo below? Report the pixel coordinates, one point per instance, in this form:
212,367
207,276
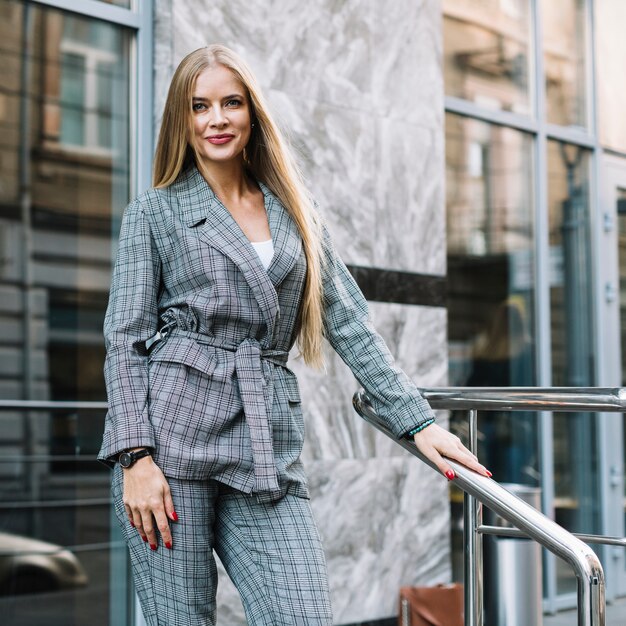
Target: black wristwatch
126,459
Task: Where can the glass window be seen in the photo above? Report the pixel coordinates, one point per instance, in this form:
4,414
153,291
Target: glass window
490,235
486,52
564,47
568,214
64,179
575,462
610,17
91,81
72,97
490,274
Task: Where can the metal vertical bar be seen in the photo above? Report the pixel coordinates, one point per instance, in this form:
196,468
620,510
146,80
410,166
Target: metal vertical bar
591,600
142,105
604,311
142,145
543,332
473,562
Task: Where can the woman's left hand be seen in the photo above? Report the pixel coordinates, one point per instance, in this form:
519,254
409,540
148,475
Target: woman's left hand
435,442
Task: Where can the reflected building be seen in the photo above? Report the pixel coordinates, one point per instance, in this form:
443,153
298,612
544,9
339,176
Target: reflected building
64,180
469,157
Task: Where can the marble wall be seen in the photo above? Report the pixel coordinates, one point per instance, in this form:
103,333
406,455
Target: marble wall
358,86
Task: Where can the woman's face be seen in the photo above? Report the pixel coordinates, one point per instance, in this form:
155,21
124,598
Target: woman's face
221,116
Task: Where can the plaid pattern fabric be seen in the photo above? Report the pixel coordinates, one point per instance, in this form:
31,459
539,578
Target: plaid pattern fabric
215,399
271,551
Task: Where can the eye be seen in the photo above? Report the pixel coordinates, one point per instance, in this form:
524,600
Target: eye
233,102
198,106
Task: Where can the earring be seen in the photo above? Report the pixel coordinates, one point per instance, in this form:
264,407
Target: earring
252,125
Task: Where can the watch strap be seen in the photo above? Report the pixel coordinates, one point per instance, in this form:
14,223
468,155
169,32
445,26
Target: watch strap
136,455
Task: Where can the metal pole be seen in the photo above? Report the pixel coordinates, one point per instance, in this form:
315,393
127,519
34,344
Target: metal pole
591,600
472,564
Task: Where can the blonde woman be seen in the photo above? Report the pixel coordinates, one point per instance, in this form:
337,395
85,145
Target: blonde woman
221,268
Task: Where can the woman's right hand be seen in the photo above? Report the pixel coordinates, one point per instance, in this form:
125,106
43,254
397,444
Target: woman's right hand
148,501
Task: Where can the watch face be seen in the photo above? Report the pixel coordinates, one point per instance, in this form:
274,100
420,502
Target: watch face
125,459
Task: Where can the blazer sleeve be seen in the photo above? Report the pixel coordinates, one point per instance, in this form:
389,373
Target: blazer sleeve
350,332
131,318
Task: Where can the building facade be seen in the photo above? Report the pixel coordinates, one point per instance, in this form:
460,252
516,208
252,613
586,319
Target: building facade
468,157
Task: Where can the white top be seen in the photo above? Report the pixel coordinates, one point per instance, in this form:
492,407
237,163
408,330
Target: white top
265,250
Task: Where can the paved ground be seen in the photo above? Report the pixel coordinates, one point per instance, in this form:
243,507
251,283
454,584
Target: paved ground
615,616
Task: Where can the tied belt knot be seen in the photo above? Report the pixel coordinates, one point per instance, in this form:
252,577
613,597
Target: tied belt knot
257,394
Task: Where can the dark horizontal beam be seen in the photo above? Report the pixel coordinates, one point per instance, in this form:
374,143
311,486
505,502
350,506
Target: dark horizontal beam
382,285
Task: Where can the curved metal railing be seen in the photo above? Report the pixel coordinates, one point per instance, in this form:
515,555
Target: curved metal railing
528,520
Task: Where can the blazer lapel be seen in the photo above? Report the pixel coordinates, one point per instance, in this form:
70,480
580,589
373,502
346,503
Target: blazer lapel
285,236
203,210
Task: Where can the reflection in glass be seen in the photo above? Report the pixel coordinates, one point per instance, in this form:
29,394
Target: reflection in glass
490,232
64,179
610,17
575,462
564,47
486,52
490,277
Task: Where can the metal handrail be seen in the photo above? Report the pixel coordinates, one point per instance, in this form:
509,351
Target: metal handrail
565,399
53,405
533,523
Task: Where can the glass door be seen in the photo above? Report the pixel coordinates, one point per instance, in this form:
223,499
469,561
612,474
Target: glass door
612,365
574,448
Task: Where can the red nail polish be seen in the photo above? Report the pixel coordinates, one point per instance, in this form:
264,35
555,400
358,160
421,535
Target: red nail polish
489,473
132,523
174,516
450,475
168,545
144,538
153,546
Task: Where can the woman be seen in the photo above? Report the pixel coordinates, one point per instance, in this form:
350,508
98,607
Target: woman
221,268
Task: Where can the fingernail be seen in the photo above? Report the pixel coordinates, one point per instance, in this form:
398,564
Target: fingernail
174,516
144,538
168,545
489,473
132,523
450,475
153,546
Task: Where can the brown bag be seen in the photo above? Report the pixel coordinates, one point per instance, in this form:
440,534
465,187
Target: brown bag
431,606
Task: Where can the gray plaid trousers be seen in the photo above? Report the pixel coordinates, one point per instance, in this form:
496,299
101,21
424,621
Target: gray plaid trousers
271,551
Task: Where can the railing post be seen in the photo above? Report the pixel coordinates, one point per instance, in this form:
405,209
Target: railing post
591,601
473,562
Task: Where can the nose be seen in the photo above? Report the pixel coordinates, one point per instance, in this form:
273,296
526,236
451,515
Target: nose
218,119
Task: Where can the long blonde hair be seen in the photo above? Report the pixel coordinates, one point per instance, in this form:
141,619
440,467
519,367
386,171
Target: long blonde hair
267,157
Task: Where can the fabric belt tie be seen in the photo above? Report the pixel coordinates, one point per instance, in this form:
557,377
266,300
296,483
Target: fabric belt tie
257,396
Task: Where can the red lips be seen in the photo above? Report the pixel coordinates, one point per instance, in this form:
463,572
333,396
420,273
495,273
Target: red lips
220,139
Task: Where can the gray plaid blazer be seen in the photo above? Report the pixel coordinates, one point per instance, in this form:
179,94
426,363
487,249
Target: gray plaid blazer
214,396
